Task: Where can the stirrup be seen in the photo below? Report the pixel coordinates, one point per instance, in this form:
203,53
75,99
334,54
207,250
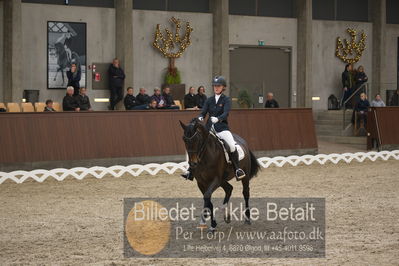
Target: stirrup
240,174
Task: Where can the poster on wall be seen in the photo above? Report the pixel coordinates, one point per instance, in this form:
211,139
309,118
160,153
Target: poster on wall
66,47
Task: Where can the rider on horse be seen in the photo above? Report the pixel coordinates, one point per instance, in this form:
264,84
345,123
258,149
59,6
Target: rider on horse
218,108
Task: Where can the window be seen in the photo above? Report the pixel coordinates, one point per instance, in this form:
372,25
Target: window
276,8
323,9
94,3
188,5
240,7
392,11
348,10
149,4
352,10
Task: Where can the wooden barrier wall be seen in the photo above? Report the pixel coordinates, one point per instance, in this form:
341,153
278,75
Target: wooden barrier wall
383,127
35,137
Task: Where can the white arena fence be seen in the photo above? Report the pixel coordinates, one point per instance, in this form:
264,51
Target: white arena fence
170,168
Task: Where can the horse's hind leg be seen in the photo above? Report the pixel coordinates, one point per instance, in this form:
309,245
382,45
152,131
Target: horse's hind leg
227,189
245,192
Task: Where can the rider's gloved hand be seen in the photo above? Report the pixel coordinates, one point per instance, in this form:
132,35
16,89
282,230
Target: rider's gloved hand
201,118
214,120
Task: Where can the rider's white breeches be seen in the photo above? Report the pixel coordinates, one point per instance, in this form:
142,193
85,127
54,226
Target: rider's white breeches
228,137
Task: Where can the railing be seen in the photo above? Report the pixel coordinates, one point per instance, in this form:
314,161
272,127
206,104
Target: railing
366,88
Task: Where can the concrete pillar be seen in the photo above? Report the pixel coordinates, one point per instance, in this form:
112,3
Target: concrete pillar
378,17
221,60
304,46
124,39
12,44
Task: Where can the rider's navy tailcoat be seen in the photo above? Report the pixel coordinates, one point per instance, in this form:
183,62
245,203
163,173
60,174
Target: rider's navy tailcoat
218,109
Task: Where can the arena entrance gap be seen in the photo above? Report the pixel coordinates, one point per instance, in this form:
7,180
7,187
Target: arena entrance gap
259,70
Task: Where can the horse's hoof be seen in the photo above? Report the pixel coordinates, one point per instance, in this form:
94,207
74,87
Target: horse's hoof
212,229
247,221
227,219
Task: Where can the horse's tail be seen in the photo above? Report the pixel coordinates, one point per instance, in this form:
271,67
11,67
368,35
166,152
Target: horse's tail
255,167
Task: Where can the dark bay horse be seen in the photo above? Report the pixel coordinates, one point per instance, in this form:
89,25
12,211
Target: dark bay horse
210,169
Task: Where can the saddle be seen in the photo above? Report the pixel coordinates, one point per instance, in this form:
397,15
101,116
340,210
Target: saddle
226,149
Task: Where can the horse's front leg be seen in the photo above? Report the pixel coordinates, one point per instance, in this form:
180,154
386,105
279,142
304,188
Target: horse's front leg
245,192
208,206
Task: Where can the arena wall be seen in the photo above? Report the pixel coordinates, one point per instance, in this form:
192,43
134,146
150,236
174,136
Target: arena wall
279,32
100,42
1,52
389,75
195,65
326,67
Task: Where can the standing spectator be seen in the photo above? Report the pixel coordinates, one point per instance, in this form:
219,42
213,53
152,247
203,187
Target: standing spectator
130,101
347,84
201,97
83,100
158,98
69,102
394,101
270,101
116,78
190,100
169,102
360,77
74,75
142,98
377,102
361,109
49,106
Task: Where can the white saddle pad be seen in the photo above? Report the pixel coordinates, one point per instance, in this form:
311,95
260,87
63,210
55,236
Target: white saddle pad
240,151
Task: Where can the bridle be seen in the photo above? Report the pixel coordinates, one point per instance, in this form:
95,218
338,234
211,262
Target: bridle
200,151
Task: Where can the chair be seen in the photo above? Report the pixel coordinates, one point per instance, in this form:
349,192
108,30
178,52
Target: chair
57,106
39,107
27,107
13,107
2,105
178,103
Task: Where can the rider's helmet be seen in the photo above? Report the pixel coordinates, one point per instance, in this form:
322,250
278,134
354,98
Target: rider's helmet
219,80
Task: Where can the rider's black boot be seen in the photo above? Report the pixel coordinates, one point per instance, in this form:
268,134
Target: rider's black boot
188,175
240,174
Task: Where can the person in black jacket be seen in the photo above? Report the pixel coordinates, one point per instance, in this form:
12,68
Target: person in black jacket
49,106
201,97
190,100
169,102
130,101
142,98
69,102
218,108
83,100
347,84
116,78
361,108
394,101
74,76
270,101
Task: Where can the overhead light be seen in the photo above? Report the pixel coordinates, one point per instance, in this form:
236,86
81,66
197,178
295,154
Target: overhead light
101,100
24,100
316,98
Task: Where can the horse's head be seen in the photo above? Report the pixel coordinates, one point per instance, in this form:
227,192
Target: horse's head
194,136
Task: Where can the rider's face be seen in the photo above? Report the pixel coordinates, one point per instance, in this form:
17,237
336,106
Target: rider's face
218,89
